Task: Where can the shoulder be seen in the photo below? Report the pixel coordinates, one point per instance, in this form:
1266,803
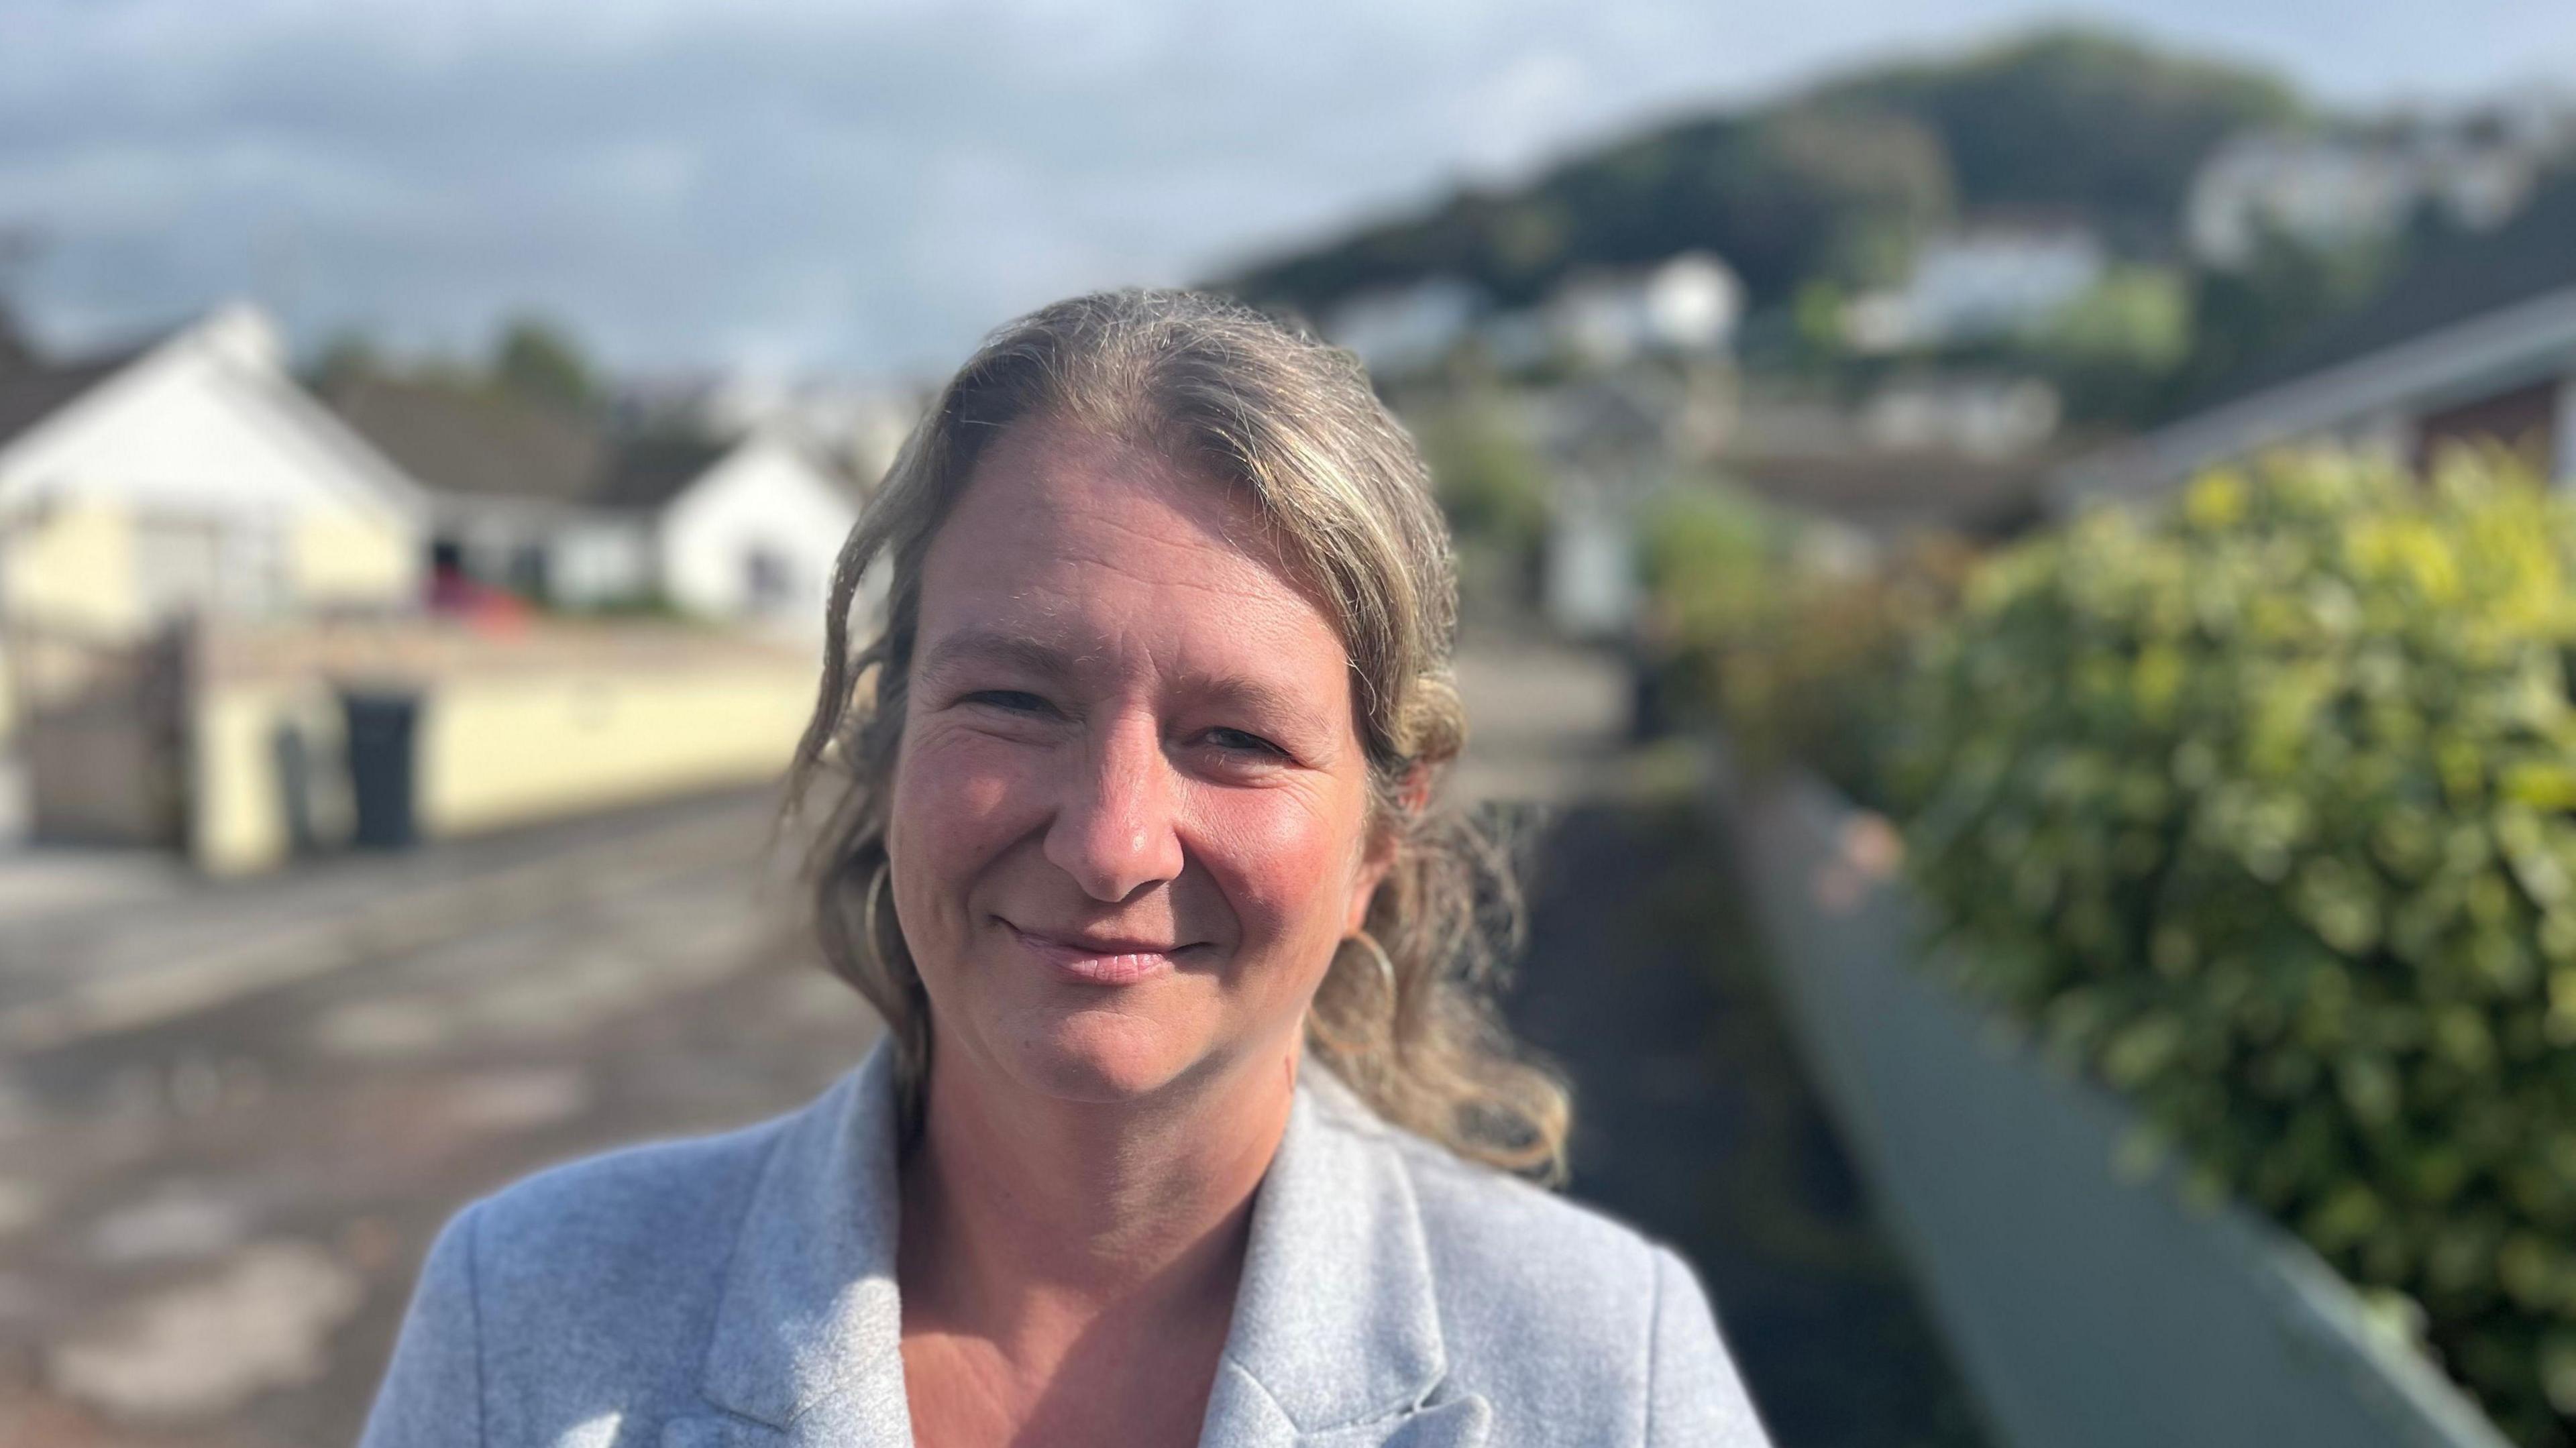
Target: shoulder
1502,1239
592,1216
1528,1256
1558,1312
602,1272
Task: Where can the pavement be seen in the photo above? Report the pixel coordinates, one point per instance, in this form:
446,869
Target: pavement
232,1115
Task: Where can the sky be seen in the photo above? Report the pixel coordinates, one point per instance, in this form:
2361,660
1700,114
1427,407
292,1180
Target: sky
793,188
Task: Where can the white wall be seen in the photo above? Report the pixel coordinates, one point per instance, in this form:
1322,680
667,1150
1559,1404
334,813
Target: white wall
601,561
206,449
764,501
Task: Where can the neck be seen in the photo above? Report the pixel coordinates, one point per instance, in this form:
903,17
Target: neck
1024,1214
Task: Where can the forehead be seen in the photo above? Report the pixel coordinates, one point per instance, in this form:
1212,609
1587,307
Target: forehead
1092,545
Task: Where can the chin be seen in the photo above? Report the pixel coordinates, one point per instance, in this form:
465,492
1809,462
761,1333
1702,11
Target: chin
1098,1056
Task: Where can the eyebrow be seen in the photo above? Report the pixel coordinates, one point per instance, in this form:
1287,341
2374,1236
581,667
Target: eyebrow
988,647
1258,698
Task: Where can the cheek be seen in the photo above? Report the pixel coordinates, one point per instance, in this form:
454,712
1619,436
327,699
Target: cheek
1287,867
958,799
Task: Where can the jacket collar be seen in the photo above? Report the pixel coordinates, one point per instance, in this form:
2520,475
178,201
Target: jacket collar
1335,1338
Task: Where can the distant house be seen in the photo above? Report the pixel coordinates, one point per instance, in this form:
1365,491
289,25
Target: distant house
1940,453
1980,281
511,488
1611,441
754,534
2334,190
191,475
854,425
1968,416
555,509
1685,305
1407,328
2476,341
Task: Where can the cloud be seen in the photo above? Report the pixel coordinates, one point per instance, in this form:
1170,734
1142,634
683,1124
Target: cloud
807,185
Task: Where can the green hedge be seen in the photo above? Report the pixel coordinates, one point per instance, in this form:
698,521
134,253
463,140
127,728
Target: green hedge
1786,635
2263,809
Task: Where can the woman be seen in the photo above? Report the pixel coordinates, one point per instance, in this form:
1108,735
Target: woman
1187,1122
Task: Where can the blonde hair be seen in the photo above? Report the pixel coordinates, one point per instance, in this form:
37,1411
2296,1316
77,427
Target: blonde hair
1296,427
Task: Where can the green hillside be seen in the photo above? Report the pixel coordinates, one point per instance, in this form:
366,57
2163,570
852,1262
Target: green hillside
1834,182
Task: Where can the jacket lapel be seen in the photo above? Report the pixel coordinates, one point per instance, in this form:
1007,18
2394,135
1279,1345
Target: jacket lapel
1335,1341
808,1338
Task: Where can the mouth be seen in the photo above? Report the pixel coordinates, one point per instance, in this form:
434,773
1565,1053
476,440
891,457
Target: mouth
1099,959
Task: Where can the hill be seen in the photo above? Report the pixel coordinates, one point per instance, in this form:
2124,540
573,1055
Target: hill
1836,181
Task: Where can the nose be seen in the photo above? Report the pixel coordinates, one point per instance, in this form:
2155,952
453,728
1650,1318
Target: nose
1114,831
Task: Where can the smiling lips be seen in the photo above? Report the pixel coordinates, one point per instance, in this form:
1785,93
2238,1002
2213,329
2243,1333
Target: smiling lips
1096,959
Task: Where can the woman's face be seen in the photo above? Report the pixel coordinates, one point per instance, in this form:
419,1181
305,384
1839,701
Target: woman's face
1130,811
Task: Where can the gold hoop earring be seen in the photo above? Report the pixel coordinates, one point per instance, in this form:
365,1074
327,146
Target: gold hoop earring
868,912
1385,966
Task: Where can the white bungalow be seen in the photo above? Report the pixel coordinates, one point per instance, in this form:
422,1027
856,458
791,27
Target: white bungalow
191,475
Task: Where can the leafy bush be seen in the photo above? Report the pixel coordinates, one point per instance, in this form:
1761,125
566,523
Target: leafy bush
1497,493
1788,640
2263,809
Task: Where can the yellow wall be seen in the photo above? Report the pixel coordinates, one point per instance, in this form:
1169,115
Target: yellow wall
508,749
72,566
353,558
69,566
502,751
237,819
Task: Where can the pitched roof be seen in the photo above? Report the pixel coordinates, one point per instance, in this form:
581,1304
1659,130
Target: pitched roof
30,391
646,472
460,441
15,354
467,442
2471,276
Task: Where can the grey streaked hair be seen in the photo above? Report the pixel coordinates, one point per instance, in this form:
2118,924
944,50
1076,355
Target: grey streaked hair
1295,425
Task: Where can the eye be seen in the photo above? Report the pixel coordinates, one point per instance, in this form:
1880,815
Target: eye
1238,741
1010,701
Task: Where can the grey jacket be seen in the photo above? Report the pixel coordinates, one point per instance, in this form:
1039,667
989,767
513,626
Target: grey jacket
739,1292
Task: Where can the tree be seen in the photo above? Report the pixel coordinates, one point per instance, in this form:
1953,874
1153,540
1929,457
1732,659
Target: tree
2114,349
351,356
537,360
2241,316
1491,483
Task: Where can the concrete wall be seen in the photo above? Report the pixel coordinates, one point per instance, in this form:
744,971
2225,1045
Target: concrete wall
2087,1309
2563,441
237,821
501,748
500,752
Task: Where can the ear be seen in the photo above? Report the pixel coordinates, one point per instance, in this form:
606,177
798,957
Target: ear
1413,796
1364,889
